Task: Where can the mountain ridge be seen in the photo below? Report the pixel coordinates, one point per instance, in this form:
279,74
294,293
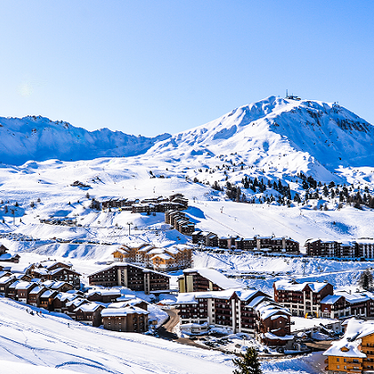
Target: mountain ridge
309,136
38,138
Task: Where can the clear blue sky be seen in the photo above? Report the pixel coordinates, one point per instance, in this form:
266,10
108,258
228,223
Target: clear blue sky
148,67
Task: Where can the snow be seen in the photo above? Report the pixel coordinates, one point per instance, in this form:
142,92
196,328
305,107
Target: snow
348,346
272,139
215,277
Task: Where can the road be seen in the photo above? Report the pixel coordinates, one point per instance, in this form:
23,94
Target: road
166,330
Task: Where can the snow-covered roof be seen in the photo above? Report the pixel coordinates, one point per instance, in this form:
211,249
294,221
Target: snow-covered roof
24,285
88,307
348,346
106,292
215,277
288,285
36,290
120,312
186,298
48,293
354,297
331,299
271,336
267,308
245,295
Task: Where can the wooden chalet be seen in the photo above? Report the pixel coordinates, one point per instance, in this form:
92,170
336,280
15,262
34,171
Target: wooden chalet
89,313
131,276
354,352
128,319
7,257
23,290
47,299
104,295
5,282
34,295
273,324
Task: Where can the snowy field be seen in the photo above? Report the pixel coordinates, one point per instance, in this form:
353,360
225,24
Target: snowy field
36,191
53,343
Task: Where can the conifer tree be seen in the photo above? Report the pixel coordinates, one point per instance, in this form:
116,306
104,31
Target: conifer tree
366,279
247,363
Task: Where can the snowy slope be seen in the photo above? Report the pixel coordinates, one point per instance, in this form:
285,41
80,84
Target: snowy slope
35,344
38,138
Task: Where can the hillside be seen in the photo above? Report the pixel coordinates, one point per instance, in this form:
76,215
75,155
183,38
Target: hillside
40,139
277,136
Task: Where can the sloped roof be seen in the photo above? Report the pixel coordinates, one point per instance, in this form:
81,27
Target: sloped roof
215,277
121,312
288,285
348,345
331,299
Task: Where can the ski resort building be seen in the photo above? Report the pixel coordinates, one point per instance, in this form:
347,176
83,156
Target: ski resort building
302,298
318,299
129,319
131,276
359,248
55,271
163,259
201,280
248,311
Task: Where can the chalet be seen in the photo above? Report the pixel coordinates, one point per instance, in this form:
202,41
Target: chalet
61,299
23,290
360,304
89,313
7,257
47,299
137,254
334,306
301,298
146,255
5,281
354,352
66,275
55,271
171,258
273,323
34,295
125,301
128,319
71,306
59,286
206,238
12,291
131,276
200,280
104,295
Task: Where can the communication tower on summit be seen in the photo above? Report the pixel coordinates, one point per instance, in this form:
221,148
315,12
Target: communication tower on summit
292,97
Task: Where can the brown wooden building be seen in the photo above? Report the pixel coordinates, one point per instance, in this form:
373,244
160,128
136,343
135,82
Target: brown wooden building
131,276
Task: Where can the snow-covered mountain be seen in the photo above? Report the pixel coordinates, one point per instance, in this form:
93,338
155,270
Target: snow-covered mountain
275,135
40,139
279,134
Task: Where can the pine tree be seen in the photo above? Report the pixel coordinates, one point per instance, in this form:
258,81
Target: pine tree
366,279
248,363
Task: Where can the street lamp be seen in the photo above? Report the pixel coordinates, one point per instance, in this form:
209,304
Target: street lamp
129,223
